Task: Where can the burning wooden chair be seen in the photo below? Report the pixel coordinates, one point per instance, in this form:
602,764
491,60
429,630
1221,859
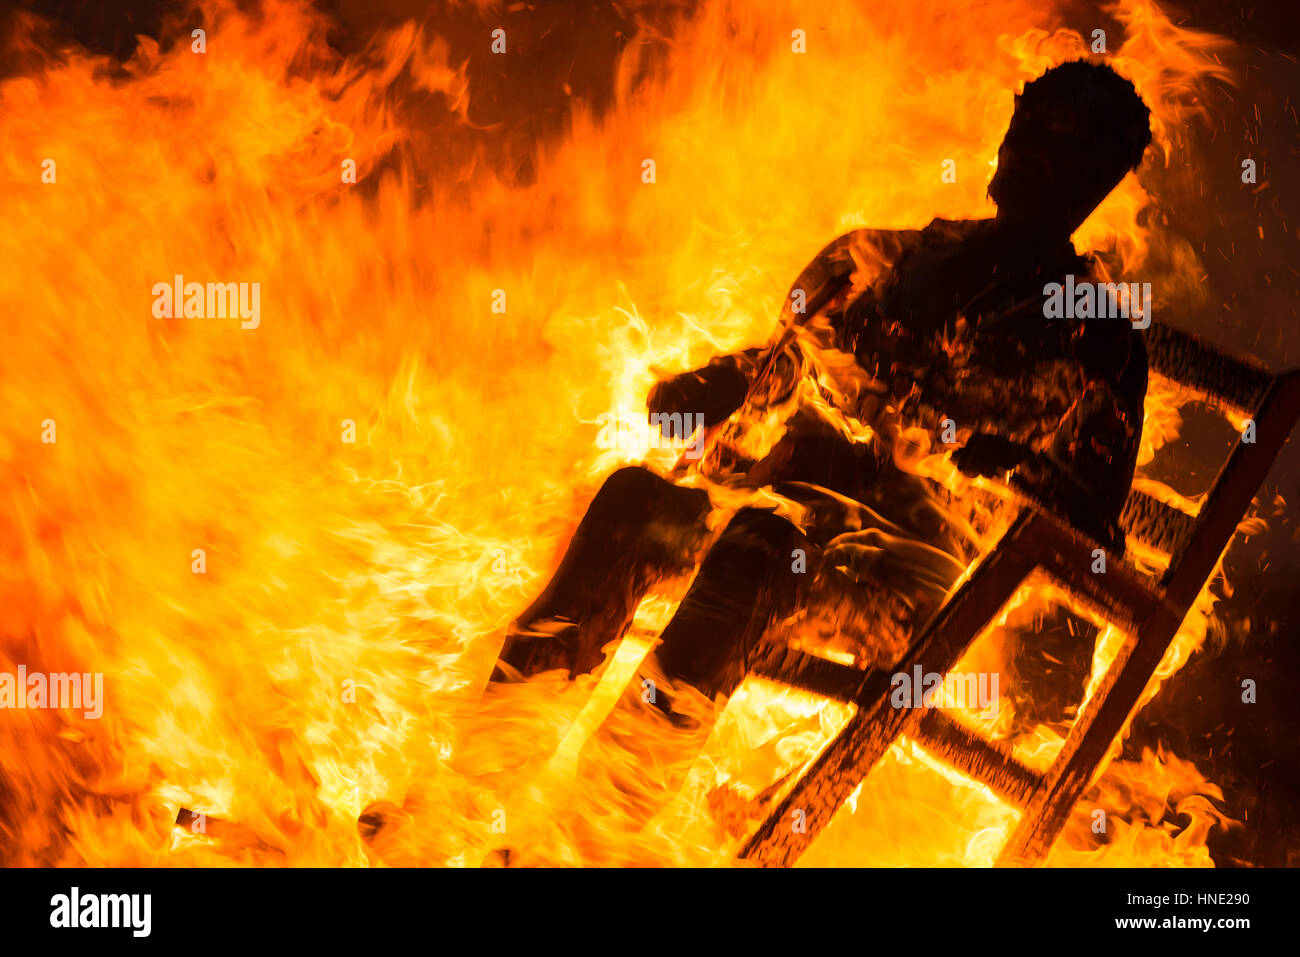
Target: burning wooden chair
1149,611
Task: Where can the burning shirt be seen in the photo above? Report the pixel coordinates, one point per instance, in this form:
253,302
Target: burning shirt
942,333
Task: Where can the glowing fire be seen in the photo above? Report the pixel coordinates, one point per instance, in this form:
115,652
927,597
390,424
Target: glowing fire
332,655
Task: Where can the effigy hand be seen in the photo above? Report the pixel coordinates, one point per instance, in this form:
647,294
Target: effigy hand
987,455
713,391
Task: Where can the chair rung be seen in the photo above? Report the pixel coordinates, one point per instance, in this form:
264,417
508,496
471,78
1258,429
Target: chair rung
819,676
989,762
1213,374
1150,520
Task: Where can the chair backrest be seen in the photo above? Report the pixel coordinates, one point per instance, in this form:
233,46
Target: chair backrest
1226,383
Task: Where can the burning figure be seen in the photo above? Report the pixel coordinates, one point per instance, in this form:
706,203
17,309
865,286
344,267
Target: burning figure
886,336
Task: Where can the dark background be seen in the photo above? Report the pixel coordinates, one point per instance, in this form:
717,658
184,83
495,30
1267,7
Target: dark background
1253,306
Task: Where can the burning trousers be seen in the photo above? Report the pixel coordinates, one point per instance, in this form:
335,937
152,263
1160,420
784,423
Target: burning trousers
641,530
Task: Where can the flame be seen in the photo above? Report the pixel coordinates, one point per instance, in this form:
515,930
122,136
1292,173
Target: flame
330,657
